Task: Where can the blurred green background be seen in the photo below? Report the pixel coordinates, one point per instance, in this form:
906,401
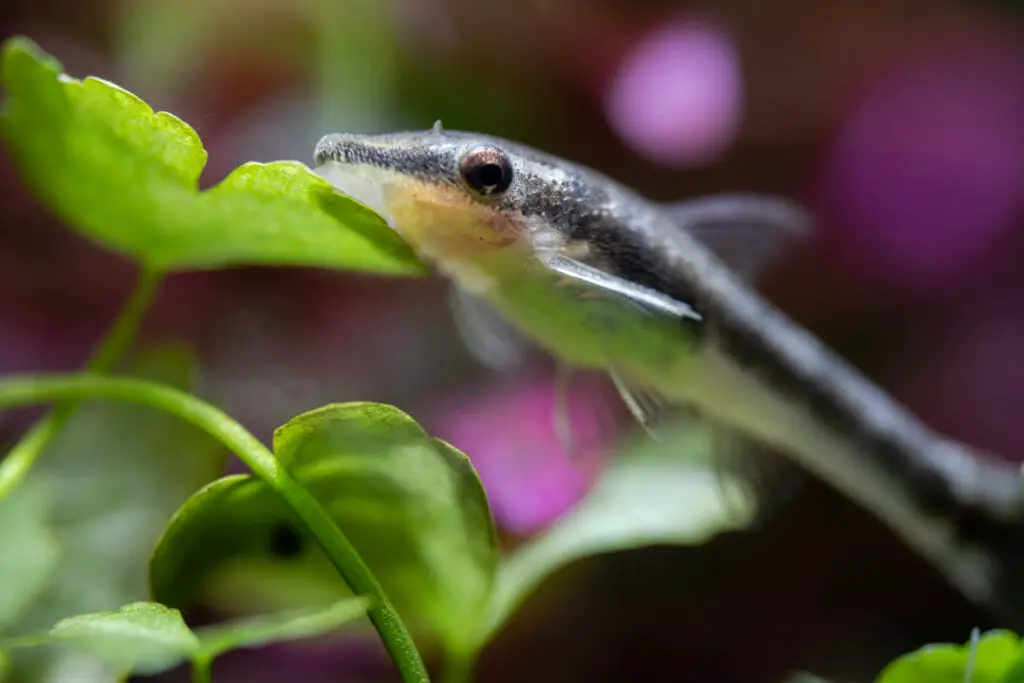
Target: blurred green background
900,123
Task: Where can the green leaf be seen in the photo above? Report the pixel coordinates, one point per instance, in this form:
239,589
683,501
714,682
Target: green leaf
255,584
998,659
278,628
669,493
127,178
28,548
222,530
390,478
412,506
117,472
147,637
142,637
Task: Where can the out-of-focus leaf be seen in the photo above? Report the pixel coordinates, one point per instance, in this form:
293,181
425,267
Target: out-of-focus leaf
273,581
412,505
147,637
998,657
28,550
236,519
117,473
666,493
142,637
278,628
162,44
127,178
227,528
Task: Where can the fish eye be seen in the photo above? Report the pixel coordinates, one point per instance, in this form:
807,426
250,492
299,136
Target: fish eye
486,171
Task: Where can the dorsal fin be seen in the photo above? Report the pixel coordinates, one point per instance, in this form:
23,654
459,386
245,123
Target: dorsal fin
747,232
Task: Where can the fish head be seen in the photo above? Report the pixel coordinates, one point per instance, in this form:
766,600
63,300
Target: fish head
458,198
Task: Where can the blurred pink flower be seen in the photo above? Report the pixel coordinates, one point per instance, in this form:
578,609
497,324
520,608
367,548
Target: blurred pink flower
677,96
508,431
928,170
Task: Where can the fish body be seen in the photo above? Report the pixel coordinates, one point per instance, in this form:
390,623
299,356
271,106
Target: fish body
661,296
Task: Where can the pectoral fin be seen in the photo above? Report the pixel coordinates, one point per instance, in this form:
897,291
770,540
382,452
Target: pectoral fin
646,405
648,300
492,340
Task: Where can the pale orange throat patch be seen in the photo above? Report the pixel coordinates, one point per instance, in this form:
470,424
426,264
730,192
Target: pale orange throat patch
444,223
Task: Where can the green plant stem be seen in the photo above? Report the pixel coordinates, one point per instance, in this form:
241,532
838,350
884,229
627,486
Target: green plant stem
20,391
23,456
202,669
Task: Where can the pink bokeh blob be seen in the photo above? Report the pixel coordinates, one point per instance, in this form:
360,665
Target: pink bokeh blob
508,431
927,172
677,96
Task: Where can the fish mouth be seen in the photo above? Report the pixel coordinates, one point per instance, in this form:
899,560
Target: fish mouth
391,175
366,184
374,169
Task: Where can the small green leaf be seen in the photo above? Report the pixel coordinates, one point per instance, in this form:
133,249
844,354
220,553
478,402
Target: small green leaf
391,477
28,548
142,637
412,505
147,637
278,628
668,494
127,177
997,660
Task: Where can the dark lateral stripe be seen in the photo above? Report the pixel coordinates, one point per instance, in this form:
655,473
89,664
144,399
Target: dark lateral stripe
826,398
627,256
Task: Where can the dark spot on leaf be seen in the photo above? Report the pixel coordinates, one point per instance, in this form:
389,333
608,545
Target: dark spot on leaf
285,541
